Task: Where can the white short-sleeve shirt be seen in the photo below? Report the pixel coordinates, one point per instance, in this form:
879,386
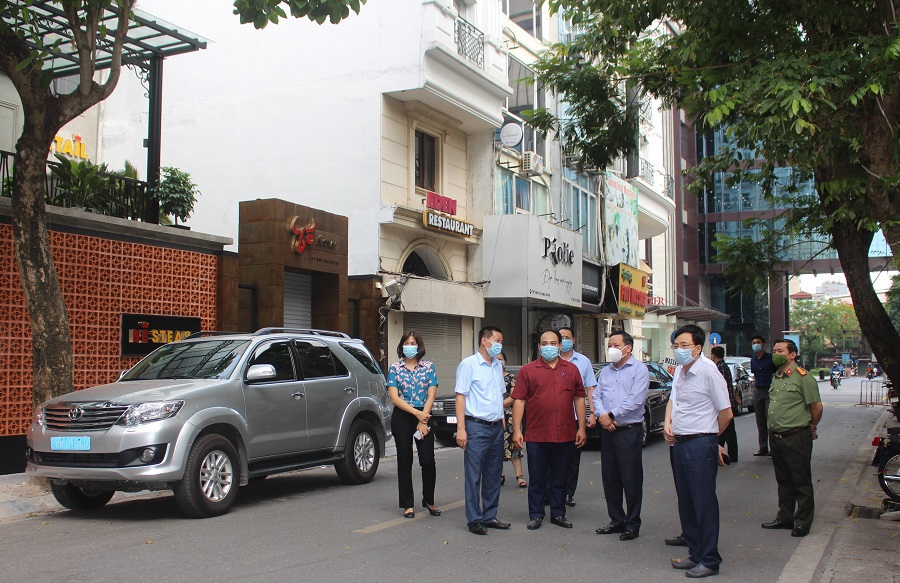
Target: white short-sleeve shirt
698,395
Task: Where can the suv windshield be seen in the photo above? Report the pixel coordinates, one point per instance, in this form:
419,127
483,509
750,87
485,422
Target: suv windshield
205,359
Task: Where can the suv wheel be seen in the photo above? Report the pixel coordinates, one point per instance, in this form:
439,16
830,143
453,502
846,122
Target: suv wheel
76,498
360,456
209,487
645,428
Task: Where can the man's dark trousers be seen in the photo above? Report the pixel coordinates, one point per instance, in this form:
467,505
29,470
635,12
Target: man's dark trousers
791,459
548,463
572,472
761,410
623,474
729,438
696,463
483,460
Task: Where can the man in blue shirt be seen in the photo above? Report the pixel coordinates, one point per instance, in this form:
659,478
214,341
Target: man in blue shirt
618,405
567,352
762,368
479,431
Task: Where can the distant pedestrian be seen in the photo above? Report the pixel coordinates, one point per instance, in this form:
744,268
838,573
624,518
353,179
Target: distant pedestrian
795,410
762,368
412,384
567,352
729,436
479,430
512,452
698,411
546,391
619,401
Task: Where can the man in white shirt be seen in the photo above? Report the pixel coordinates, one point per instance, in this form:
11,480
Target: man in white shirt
699,410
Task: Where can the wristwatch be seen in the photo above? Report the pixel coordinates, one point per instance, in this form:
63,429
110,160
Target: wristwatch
611,416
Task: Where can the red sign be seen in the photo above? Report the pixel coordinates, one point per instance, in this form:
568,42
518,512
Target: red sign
656,301
439,203
303,236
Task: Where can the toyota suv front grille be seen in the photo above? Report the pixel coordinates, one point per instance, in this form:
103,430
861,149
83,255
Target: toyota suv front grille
82,416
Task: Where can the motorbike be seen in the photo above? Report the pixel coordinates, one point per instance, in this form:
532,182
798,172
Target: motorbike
835,379
887,459
871,372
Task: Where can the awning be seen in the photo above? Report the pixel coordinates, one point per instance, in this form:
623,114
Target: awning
694,313
147,36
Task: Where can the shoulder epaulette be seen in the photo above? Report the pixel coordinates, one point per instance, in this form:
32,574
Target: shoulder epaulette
802,371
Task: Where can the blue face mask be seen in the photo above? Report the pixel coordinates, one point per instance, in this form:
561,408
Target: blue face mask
549,352
683,355
566,345
756,347
495,349
410,351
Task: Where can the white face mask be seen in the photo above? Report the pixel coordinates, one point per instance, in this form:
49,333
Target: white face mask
614,354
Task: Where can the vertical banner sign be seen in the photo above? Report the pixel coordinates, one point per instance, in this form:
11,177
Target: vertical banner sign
620,221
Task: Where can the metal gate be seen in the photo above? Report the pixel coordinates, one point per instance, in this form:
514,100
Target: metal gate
443,344
872,393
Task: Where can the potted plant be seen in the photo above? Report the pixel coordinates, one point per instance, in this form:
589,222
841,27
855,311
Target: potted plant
177,194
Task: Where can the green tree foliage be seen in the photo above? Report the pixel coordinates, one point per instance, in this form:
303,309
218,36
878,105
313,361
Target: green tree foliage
810,85
893,301
826,327
25,57
177,193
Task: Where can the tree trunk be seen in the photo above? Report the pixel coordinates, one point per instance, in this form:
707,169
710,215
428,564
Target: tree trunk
853,251
50,336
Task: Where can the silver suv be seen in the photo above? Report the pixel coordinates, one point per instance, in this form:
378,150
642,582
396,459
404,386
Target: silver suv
206,414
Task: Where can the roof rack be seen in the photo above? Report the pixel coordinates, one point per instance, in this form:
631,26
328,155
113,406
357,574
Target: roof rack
310,331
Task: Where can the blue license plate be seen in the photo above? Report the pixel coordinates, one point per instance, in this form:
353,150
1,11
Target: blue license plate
70,443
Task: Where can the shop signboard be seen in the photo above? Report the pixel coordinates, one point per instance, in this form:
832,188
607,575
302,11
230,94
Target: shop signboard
620,223
525,257
627,292
144,333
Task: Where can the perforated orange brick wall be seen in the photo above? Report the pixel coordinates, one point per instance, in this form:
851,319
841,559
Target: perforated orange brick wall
100,279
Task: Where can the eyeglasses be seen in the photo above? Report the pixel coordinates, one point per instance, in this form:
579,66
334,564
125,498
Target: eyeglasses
677,346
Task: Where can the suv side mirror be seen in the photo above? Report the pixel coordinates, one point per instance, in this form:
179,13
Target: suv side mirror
261,372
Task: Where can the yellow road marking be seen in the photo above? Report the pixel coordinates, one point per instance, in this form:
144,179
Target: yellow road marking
398,521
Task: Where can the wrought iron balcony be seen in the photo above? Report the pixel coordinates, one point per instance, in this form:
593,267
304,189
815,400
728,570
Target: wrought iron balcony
112,194
469,41
648,172
670,186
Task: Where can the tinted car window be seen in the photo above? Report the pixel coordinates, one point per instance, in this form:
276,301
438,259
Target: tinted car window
363,357
278,354
316,361
190,360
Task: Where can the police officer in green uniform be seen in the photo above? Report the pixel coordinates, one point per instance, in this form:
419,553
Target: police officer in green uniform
795,409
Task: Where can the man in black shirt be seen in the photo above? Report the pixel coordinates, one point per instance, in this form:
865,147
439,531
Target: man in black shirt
762,368
729,436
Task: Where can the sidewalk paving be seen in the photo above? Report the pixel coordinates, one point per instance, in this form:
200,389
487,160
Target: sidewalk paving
844,545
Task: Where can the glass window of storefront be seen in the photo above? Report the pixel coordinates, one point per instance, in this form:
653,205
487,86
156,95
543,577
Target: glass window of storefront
519,194
579,202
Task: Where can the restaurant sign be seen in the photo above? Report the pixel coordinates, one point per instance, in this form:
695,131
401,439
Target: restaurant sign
144,333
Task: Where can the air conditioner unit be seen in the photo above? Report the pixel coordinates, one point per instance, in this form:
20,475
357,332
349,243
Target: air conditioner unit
532,164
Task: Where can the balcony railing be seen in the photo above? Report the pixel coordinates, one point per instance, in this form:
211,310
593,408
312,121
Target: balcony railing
117,196
469,42
670,186
648,172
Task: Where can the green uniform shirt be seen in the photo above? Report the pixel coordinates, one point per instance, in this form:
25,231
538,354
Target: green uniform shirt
789,397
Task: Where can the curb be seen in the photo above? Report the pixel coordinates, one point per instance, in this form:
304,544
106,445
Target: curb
810,556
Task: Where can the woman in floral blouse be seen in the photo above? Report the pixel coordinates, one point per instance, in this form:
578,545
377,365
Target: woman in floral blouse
412,384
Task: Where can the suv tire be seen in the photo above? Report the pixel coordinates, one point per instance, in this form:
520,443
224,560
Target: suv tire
210,484
76,498
360,455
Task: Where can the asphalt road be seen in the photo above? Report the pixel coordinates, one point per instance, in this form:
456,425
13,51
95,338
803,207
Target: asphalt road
306,526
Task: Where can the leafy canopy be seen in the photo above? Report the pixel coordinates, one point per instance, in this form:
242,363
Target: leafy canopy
262,12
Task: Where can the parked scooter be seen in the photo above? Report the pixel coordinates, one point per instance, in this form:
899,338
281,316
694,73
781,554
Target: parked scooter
835,379
887,459
871,371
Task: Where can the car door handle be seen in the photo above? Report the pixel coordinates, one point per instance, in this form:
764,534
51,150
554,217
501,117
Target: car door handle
298,395
349,389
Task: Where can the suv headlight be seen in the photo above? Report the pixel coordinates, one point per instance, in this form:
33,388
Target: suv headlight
147,412
437,407
37,416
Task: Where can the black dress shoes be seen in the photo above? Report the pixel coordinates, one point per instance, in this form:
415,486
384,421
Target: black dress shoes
678,541
570,501
775,524
700,571
610,528
628,535
534,523
477,528
761,453
497,524
684,564
561,521
800,531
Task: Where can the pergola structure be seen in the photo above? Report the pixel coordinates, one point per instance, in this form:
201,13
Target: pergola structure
148,42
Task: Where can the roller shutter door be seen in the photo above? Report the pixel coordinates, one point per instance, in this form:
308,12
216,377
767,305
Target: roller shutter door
297,300
587,338
443,344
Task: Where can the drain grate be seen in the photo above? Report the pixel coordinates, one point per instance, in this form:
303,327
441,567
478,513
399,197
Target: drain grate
865,512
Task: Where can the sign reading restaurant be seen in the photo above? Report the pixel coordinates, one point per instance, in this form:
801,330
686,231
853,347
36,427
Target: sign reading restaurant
433,216
144,333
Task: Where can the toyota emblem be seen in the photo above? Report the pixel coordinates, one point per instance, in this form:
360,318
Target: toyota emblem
75,413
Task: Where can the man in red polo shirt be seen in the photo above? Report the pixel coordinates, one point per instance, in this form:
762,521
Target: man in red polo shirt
550,386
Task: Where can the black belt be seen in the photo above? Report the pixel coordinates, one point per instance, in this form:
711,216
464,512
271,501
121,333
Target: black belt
789,432
629,426
483,421
683,438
